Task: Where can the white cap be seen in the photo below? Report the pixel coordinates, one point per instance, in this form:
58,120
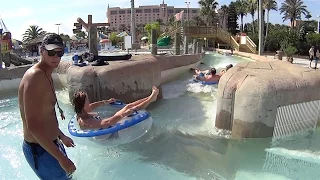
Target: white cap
76,53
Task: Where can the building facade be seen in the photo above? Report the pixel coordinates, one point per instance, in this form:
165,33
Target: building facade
120,18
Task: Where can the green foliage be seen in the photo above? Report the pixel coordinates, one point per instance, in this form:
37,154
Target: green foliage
290,50
65,37
32,32
148,28
114,38
313,39
207,9
232,18
302,33
81,35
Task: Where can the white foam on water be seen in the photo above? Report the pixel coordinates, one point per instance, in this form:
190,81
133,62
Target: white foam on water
245,175
304,155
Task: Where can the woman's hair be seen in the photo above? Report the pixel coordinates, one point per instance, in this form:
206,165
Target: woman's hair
79,98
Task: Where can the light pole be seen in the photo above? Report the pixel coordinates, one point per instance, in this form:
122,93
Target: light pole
133,23
318,30
58,24
187,3
260,28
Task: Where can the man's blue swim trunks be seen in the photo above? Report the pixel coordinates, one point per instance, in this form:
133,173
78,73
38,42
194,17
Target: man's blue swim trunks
43,163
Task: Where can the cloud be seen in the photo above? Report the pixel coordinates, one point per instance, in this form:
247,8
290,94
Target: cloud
20,12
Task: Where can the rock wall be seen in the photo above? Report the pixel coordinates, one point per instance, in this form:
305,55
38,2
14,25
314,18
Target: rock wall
126,80
250,93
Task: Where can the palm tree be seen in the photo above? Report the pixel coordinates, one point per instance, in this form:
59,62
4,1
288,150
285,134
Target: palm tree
32,32
224,13
208,9
171,21
292,10
269,5
198,21
252,9
242,9
308,16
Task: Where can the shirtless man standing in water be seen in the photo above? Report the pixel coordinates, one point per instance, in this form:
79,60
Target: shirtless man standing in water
42,145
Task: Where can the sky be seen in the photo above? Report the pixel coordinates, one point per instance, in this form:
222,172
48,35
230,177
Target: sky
18,15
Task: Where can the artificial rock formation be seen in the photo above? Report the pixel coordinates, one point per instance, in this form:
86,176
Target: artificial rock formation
250,94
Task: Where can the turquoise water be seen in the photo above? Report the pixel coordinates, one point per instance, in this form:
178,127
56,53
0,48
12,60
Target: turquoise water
181,144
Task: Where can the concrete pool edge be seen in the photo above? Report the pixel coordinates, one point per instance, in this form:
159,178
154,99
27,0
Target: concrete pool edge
170,67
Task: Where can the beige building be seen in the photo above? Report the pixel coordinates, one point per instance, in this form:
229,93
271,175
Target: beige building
120,18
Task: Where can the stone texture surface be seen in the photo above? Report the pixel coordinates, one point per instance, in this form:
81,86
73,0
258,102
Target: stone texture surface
249,94
170,62
126,80
13,73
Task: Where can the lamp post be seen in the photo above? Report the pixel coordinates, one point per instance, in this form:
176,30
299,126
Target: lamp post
187,3
318,30
58,24
1,48
260,28
133,23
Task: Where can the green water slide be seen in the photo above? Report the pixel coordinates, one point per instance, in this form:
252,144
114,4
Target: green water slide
164,41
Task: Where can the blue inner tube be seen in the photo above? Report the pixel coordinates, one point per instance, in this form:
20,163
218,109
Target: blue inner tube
126,122
205,82
208,83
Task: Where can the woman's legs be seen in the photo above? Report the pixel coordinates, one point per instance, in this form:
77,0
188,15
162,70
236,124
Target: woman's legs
150,99
141,103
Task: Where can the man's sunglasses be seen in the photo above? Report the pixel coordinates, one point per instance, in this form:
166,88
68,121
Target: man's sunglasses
53,53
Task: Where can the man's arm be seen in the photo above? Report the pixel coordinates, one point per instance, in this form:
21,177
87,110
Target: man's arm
61,135
33,108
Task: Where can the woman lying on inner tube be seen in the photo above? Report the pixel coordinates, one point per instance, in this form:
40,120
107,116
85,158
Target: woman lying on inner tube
88,120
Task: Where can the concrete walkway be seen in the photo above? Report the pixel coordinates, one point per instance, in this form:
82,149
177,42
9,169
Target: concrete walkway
300,61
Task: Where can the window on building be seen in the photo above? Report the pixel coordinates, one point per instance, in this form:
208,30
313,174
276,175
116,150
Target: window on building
114,12
194,11
138,10
170,11
129,11
147,11
155,10
122,11
178,10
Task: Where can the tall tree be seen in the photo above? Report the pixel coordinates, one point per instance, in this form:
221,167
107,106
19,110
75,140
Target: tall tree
242,9
32,32
232,19
308,16
224,13
269,5
208,9
252,10
198,21
292,10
